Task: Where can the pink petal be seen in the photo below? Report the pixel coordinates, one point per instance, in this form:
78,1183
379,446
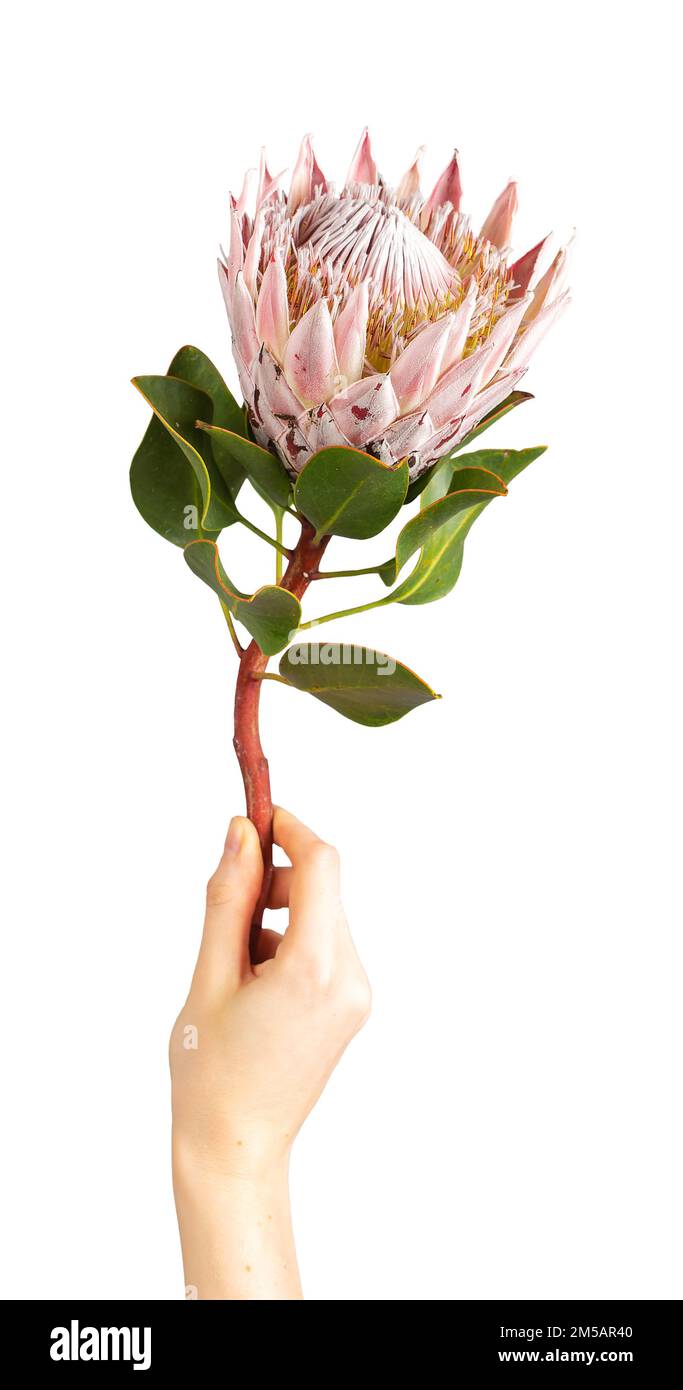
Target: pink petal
268,183
410,183
265,180
226,288
417,370
272,309
548,287
310,359
350,333
408,434
455,390
365,409
236,252
502,335
531,336
246,379
460,327
447,189
293,447
523,270
302,178
274,402
443,442
253,256
318,179
243,322
307,177
363,168
240,204
498,224
487,400
321,429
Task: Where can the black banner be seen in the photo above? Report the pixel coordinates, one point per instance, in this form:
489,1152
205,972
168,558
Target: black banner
158,1339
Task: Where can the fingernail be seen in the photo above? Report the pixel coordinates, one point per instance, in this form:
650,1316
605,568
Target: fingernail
235,835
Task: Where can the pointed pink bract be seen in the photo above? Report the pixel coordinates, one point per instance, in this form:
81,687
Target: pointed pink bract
244,322
365,409
524,270
363,168
310,359
410,183
447,189
350,332
498,225
416,371
272,309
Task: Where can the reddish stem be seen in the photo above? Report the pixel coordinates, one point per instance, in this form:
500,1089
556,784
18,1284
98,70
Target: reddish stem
303,564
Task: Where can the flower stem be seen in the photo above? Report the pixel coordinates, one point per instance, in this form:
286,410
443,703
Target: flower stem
303,562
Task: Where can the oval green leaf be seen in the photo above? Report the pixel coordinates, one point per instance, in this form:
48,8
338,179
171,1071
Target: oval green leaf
469,486
263,469
440,561
165,488
366,686
344,492
271,615
178,404
190,364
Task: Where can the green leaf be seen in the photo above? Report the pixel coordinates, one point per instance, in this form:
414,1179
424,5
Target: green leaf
177,404
194,366
419,484
514,399
505,463
440,561
468,487
366,686
271,615
165,488
263,469
343,492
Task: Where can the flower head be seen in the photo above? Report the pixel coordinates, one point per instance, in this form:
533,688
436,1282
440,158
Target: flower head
375,317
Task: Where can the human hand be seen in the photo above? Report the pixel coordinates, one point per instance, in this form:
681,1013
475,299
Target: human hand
250,1053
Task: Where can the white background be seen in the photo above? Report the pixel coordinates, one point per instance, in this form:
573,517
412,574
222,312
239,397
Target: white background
508,1125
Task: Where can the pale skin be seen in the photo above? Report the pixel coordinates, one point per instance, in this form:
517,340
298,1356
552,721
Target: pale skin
250,1053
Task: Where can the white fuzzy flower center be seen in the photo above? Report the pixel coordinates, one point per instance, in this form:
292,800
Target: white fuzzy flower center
356,239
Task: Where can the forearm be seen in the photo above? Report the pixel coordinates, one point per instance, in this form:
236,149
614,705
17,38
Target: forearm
236,1234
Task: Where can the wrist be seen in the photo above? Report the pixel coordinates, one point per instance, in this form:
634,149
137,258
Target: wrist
235,1227
252,1159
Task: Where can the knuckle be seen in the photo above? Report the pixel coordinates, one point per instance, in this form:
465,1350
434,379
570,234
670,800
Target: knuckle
218,891
358,997
348,991
323,856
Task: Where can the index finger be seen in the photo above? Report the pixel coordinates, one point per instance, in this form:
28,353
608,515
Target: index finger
292,835
315,910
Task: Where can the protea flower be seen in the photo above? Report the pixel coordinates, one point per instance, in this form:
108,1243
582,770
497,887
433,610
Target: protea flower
375,317
373,332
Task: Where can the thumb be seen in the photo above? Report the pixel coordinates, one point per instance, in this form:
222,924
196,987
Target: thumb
231,897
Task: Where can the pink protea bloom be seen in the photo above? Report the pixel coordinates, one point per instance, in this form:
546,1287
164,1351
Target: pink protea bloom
374,317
